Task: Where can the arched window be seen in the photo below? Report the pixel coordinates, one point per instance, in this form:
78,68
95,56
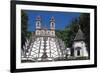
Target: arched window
38,24
52,25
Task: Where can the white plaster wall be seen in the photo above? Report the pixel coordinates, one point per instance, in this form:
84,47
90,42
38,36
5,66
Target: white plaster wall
78,44
83,51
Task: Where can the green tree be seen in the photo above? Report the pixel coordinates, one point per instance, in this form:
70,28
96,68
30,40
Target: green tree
24,20
84,22
73,26
69,32
24,24
63,34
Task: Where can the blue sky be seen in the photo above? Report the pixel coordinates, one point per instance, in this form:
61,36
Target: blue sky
62,19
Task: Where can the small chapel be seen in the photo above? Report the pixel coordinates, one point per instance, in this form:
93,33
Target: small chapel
78,49
79,45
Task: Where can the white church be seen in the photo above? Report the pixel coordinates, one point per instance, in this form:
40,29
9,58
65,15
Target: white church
44,45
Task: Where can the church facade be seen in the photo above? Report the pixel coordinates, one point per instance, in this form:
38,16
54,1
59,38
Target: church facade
44,45
44,31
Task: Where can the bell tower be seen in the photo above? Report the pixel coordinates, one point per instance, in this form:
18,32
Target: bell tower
52,26
38,22
38,25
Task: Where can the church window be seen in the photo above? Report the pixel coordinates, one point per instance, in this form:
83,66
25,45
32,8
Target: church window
52,24
38,24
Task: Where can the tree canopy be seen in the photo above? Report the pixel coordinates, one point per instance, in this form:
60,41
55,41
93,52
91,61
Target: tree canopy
24,24
69,32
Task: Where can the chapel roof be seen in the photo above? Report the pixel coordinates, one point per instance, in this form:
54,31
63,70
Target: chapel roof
79,35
